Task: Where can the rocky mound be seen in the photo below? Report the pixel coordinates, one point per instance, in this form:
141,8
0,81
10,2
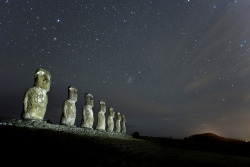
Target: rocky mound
210,137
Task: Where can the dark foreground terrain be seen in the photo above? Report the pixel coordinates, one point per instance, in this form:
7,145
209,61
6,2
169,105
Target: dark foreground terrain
32,147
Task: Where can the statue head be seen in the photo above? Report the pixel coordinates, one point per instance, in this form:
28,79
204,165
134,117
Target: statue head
72,93
111,112
89,99
42,79
102,105
123,118
119,116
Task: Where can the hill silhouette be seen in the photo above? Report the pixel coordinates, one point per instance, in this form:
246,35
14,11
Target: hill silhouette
210,137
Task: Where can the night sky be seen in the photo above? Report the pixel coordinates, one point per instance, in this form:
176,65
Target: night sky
173,67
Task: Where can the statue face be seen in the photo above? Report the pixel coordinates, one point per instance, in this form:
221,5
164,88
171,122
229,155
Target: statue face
103,106
42,79
111,112
89,100
73,94
118,116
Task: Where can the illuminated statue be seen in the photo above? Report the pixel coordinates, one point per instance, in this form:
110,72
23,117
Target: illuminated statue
118,125
101,124
69,107
36,99
123,124
87,114
110,120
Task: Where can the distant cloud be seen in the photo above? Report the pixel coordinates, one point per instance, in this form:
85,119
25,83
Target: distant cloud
169,119
201,83
223,119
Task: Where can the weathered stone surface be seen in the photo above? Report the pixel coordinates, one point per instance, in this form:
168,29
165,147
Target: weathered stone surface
110,120
36,99
118,124
101,124
69,107
87,114
124,130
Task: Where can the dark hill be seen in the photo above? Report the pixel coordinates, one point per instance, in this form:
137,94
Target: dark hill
210,137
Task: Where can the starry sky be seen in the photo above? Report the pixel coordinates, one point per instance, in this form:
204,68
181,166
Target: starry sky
173,67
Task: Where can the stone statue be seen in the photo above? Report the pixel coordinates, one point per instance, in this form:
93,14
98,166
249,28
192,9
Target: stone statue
69,107
87,114
123,124
111,120
36,99
101,124
118,125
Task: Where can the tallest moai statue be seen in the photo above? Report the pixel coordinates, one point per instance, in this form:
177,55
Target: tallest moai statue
36,99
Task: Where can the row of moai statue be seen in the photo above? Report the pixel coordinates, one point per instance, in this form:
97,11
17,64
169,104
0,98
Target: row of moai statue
36,100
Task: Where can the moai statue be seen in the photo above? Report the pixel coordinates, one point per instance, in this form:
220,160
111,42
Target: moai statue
118,125
124,124
69,107
111,120
36,99
87,114
101,124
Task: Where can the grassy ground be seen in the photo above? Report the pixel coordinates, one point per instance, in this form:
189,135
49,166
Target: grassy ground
44,147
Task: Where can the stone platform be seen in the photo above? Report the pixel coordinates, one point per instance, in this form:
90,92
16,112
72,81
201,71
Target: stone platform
70,129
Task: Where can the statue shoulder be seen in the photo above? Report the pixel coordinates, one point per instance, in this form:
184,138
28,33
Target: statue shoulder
66,102
30,90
